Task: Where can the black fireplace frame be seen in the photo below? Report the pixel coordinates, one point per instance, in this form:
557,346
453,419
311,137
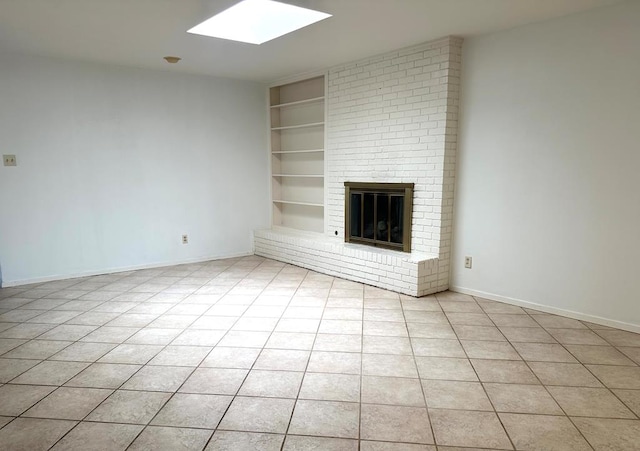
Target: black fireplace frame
391,189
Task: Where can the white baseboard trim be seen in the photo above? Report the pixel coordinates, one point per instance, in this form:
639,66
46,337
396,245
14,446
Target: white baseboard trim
17,283
549,309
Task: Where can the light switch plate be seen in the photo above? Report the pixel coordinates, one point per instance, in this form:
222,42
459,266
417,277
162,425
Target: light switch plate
9,160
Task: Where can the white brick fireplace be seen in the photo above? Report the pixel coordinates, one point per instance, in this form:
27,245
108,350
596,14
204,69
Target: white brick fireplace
392,119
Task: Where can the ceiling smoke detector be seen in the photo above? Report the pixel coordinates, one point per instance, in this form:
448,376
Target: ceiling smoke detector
172,59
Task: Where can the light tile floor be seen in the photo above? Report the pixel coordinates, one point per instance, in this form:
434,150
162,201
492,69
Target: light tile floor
252,354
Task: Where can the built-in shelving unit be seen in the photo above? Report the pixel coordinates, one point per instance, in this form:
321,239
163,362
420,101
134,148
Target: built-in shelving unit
297,154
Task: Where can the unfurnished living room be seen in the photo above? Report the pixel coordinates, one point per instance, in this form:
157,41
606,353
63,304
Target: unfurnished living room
332,225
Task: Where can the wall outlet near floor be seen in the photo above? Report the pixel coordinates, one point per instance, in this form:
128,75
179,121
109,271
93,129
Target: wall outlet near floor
185,239
9,160
468,262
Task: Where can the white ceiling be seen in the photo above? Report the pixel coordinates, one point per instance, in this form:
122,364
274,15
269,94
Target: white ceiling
140,32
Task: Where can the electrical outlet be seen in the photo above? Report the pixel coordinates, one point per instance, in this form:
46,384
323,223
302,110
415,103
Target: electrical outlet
9,160
185,239
467,262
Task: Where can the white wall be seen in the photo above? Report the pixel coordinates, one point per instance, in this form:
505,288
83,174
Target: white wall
548,186
115,164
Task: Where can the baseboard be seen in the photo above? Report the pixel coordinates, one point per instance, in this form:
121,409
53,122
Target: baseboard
548,309
16,283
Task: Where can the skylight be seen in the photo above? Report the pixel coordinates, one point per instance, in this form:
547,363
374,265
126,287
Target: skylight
257,21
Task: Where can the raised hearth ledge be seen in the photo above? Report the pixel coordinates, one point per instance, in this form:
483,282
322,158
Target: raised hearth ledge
414,274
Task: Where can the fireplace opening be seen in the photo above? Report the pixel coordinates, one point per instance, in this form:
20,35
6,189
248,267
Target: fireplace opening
379,214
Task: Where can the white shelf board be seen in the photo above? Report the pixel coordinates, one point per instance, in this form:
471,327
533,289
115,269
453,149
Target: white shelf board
291,127
299,151
310,204
299,175
299,102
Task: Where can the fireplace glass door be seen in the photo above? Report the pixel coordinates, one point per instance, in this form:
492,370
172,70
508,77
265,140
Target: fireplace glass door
379,214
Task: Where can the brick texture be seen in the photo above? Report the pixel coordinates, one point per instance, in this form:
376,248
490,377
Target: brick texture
391,118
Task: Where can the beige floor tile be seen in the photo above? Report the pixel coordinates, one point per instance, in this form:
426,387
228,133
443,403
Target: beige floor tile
291,340
543,433
31,434
68,403
427,303
271,384
527,335
104,375
83,352
214,381
499,307
569,374
460,307
11,368
339,326
606,434
15,399
559,322
211,323
392,390
371,314
107,334
395,423
244,339
68,332
207,338
93,318
131,353
515,398
395,446
489,350
576,337
98,436
467,428
282,359
50,373
193,411
386,345
504,371
483,333
437,347
421,330
425,317
385,329
469,319
353,314
325,418
301,443
389,365
181,356
631,398
589,402
511,320
331,387
617,376
543,352
258,415
298,325
338,343
24,331
236,441
124,406
158,378
599,355
222,357
632,352
171,439
455,395
35,349
4,421
445,368
154,336
620,337
335,362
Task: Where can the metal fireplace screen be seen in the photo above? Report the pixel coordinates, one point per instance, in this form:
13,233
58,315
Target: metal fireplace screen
379,214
